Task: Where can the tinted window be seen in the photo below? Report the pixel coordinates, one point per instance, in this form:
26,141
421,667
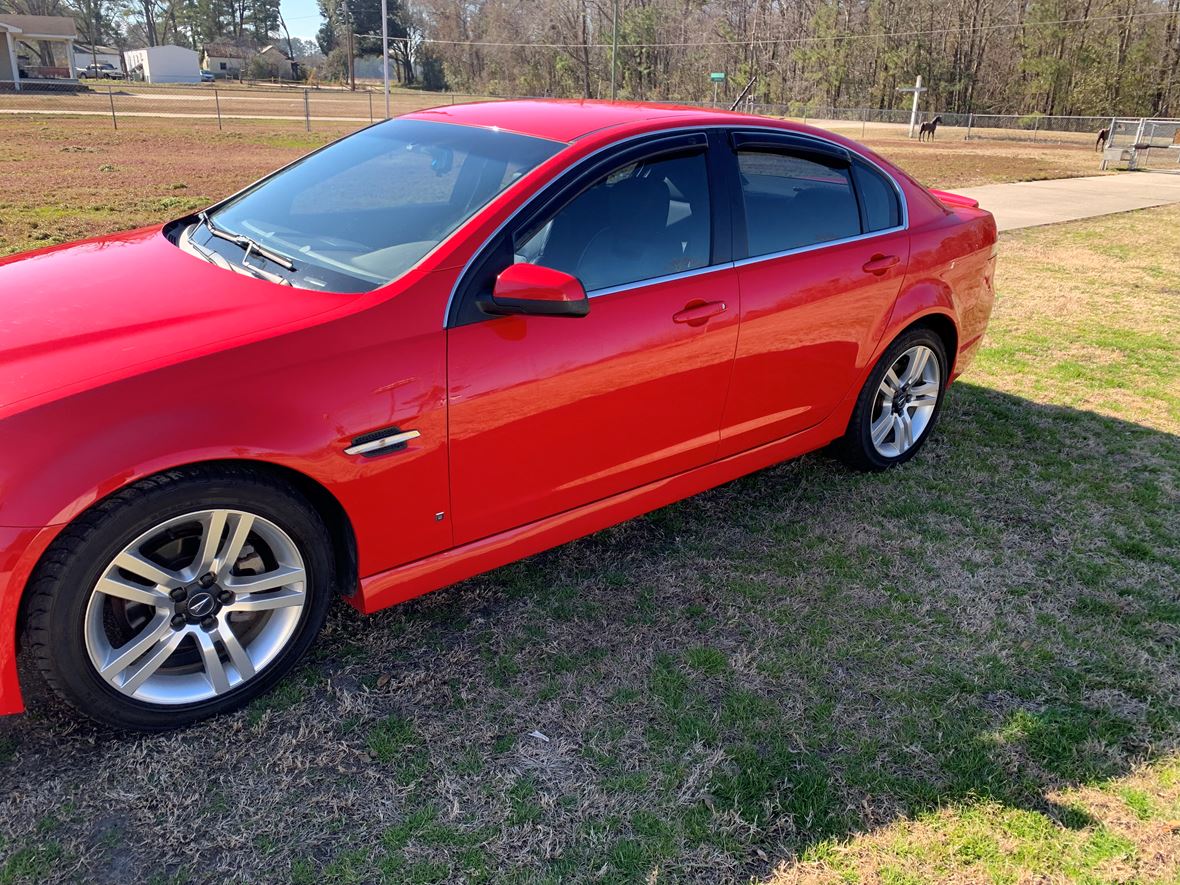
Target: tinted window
646,220
792,202
364,210
878,198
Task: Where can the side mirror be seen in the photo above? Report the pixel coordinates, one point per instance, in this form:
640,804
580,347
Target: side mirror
536,291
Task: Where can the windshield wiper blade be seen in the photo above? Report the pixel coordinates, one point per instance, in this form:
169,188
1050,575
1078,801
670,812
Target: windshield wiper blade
246,243
220,260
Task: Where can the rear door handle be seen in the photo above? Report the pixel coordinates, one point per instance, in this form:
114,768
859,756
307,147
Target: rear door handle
878,264
698,313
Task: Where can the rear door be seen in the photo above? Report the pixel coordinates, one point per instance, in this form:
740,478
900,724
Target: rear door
549,413
822,248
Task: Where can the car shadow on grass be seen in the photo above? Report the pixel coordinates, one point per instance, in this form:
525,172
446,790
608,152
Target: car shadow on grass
739,680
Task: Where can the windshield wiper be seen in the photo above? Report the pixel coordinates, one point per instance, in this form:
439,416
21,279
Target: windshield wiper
246,243
220,260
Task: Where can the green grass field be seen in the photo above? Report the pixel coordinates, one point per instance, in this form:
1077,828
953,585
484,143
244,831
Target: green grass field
963,670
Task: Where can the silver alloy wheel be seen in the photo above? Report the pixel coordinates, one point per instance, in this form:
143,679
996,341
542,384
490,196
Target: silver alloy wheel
905,401
195,607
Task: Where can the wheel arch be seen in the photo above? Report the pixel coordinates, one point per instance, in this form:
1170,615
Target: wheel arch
944,327
335,517
327,505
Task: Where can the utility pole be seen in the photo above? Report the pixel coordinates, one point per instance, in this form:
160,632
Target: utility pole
385,52
917,89
351,52
94,41
614,47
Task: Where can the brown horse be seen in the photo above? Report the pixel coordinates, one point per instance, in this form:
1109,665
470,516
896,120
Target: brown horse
928,129
1103,138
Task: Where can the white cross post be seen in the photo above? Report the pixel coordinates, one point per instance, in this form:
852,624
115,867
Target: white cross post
917,89
385,53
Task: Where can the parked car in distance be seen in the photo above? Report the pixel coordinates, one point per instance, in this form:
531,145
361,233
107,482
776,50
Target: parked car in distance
206,76
443,343
101,71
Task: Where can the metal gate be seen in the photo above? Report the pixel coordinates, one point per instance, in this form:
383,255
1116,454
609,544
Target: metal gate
1143,143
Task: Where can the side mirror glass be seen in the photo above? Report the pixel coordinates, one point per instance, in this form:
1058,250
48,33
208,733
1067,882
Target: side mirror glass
536,291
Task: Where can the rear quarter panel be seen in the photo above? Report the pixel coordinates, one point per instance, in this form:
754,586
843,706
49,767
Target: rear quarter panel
952,264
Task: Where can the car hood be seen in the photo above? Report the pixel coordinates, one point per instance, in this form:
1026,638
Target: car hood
76,316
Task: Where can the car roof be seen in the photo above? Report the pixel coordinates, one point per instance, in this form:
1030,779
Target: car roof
569,119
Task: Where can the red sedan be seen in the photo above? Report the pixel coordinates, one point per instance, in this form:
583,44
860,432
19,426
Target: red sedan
446,342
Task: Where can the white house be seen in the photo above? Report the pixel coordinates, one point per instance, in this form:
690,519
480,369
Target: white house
277,63
163,64
226,59
46,41
84,55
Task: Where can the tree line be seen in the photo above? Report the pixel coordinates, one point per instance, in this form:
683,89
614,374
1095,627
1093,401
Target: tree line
1074,57
1067,57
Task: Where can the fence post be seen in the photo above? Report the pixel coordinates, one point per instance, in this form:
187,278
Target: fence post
306,113
370,105
1036,123
970,120
864,121
111,96
217,102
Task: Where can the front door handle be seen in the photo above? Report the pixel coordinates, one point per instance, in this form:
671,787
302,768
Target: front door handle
697,313
878,264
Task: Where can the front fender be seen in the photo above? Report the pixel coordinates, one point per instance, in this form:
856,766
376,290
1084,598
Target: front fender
20,549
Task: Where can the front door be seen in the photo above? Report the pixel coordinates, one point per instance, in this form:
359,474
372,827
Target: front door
549,413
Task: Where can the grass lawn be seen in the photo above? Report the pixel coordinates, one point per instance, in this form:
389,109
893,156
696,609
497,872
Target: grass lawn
965,669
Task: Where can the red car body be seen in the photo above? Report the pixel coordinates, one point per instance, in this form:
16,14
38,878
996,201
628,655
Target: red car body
600,420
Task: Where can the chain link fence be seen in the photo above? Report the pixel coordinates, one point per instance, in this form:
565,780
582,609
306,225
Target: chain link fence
896,123
123,104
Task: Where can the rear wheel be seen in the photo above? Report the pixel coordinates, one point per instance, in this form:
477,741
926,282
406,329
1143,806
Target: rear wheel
899,404
181,597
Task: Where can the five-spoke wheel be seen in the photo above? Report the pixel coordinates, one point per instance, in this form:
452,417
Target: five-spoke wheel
195,606
180,597
899,403
905,401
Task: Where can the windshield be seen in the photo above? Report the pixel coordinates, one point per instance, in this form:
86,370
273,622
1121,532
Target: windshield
364,210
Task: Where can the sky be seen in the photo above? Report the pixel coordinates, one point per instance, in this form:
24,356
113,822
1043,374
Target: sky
302,16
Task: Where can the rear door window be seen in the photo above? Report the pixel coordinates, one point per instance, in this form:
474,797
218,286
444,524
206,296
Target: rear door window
792,201
878,198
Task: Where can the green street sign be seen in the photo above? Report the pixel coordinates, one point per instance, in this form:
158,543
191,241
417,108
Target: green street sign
717,76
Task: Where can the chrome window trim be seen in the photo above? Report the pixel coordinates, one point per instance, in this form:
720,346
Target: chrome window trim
654,281
733,127
770,256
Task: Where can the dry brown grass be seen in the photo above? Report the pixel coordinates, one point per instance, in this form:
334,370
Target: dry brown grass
955,163
65,178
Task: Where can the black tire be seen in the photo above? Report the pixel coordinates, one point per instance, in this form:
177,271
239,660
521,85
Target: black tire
856,447
61,586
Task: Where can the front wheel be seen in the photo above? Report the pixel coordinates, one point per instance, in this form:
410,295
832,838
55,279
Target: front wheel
181,597
899,404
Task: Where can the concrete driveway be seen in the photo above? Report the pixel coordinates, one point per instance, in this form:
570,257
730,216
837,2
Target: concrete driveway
1030,203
